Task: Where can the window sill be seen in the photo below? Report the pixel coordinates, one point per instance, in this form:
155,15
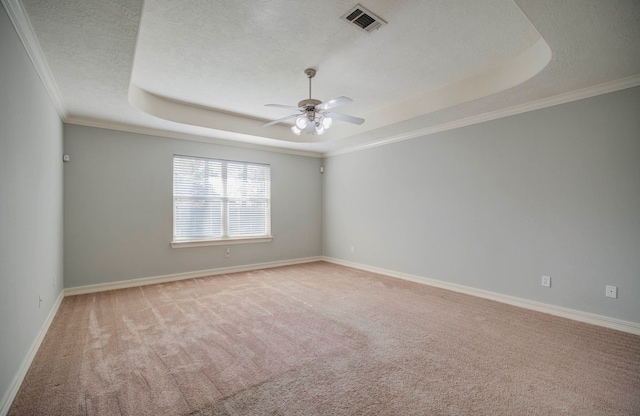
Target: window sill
221,242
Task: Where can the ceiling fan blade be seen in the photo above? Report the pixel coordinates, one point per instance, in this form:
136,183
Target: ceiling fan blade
344,117
279,120
291,107
334,103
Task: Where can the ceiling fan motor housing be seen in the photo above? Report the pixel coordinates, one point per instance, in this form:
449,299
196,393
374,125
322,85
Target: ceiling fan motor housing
309,103
310,107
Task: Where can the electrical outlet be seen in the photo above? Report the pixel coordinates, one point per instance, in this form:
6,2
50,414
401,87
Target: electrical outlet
227,252
611,291
546,281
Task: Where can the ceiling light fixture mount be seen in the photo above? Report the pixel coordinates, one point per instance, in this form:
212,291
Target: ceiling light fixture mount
314,117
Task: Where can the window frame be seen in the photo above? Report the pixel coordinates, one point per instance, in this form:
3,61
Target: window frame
225,200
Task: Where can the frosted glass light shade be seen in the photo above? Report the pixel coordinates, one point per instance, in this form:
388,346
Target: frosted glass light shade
327,122
301,123
296,130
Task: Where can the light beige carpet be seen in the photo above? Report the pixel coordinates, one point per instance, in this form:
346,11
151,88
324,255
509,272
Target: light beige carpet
322,339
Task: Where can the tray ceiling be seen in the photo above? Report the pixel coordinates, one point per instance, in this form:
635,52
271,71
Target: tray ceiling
204,70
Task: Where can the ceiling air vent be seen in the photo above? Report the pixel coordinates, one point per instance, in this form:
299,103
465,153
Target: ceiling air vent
363,19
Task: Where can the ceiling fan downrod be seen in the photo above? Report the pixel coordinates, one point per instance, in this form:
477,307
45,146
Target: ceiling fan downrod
309,103
310,74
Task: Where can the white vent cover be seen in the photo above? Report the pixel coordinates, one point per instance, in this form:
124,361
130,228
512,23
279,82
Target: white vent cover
363,19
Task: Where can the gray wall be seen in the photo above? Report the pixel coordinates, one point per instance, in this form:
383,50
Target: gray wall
498,204
118,207
30,204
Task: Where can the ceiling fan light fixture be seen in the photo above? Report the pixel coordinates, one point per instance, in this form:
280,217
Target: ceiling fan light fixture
327,122
320,129
296,130
301,122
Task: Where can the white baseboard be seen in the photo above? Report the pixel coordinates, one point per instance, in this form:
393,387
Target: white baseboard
79,290
11,393
604,321
7,400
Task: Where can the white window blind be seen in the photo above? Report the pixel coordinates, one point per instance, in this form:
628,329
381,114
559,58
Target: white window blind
220,199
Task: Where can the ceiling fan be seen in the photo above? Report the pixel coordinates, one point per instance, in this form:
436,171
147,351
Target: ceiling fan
313,116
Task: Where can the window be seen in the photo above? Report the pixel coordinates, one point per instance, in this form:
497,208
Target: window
220,201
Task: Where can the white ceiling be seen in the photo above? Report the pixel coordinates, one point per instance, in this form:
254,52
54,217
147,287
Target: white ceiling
203,70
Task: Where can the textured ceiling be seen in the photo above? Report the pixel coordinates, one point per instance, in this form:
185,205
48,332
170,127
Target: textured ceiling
267,47
206,68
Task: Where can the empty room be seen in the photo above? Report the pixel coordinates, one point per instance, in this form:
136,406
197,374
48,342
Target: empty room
319,207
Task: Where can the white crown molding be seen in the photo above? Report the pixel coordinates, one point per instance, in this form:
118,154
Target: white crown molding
14,387
590,318
102,287
149,131
617,85
608,87
25,31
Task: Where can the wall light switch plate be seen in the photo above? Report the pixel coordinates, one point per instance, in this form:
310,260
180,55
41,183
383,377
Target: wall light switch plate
611,291
546,281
